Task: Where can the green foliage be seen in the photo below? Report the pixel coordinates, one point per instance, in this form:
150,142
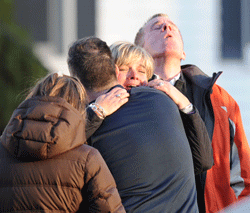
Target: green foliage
19,67
6,9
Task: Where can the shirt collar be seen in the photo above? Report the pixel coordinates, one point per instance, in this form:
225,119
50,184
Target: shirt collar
173,80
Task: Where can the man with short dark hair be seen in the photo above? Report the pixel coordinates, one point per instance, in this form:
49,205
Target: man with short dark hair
85,54
143,143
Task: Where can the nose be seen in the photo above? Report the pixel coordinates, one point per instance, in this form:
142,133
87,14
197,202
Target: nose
166,27
133,74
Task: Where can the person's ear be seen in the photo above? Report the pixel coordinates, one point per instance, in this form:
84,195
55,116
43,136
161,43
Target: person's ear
183,56
116,71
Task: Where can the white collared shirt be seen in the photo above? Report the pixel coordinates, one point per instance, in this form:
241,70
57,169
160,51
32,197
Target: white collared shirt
172,81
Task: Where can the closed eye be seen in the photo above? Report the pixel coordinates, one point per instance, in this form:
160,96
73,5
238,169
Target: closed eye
123,69
157,27
142,71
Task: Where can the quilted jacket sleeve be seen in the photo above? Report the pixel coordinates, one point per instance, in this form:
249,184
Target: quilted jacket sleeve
102,193
93,122
198,138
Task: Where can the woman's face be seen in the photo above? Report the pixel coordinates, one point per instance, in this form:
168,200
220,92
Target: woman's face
132,75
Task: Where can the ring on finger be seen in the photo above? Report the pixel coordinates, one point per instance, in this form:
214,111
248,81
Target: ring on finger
160,84
118,95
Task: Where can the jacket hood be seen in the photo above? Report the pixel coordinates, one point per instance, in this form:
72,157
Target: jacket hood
198,77
42,127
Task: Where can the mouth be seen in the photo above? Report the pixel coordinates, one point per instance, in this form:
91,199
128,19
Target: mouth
129,87
168,36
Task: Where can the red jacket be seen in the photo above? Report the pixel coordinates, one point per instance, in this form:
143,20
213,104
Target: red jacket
229,178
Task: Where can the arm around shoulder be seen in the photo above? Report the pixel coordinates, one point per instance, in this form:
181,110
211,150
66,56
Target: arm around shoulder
93,122
199,141
103,106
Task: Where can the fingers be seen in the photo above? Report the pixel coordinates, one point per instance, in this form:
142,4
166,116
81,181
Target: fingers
157,83
180,100
118,96
161,85
113,100
119,92
145,83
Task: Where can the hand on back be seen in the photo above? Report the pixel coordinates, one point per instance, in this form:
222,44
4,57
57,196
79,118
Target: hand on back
180,100
113,100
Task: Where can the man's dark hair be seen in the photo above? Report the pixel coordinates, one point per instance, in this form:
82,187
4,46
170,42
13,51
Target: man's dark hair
90,60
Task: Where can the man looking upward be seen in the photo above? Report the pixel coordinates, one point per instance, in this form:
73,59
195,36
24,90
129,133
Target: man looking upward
229,178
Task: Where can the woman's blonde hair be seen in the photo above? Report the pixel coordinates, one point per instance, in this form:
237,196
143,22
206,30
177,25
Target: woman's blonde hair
125,53
64,86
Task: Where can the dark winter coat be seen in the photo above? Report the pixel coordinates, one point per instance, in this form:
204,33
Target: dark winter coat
45,165
229,178
145,146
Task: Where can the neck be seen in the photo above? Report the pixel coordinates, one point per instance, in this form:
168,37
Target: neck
167,68
94,94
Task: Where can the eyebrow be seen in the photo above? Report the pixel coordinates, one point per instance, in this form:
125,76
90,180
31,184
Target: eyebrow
140,65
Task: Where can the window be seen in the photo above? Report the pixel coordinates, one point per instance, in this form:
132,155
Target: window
231,30
235,28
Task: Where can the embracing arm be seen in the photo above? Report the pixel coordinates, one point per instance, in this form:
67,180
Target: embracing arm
105,104
93,122
199,141
196,132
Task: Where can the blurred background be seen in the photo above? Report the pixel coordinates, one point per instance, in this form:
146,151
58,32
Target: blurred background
36,35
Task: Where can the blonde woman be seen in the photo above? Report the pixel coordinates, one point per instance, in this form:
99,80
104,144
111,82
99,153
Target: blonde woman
136,68
45,164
